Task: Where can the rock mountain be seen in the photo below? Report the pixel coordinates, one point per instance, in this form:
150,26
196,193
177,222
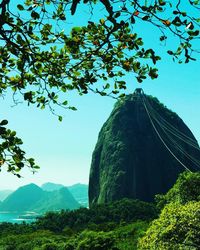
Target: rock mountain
141,150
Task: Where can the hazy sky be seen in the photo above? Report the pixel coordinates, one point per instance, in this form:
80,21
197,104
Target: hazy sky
64,150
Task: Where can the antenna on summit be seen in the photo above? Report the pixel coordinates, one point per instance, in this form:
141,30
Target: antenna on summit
138,91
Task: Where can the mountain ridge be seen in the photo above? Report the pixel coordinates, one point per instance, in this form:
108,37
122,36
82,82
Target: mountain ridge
50,186
4,193
33,198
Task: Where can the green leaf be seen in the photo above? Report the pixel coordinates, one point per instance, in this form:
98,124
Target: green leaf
60,118
35,15
145,18
193,33
107,86
20,7
3,122
36,167
73,108
102,21
65,103
76,29
170,52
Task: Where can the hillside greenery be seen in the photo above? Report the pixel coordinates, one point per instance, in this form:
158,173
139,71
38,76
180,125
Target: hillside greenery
172,222
109,226
178,226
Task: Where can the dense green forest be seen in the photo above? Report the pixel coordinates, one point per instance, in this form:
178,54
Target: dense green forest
171,222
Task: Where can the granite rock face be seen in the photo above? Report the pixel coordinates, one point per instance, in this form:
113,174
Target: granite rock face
131,160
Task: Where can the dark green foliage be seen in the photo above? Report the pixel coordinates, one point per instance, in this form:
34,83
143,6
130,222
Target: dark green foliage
15,229
98,216
186,188
33,240
11,154
89,240
121,225
130,160
127,236
123,237
178,226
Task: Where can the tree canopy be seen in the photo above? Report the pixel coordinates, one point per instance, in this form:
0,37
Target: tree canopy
179,222
44,56
176,228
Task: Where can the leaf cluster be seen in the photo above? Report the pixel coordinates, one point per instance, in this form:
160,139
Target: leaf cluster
12,157
41,60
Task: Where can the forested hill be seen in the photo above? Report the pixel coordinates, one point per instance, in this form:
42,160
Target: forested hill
79,191
139,151
4,194
32,198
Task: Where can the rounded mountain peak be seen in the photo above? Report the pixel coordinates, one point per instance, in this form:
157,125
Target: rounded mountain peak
141,149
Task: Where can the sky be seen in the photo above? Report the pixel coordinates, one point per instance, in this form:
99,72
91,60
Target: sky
64,149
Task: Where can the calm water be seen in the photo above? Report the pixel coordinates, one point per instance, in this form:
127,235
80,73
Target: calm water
13,217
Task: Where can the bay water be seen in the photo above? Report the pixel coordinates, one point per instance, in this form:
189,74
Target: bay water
14,217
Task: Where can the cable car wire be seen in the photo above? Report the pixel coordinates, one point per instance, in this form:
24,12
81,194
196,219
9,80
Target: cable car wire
160,137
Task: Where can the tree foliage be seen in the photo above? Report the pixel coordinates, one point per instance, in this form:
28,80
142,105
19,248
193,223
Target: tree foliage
115,225
41,55
123,237
44,57
178,225
126,210
186,189
11,154
89,240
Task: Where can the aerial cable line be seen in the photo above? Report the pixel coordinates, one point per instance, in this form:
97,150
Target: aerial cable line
160,137
180,148
188,156
170,125
174,142
171,130
174,132
179,135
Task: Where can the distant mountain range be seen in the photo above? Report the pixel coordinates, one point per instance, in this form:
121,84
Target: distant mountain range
4,194
49,186
79,191
48,197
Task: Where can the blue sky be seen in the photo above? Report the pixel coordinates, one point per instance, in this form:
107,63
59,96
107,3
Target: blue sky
64,150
